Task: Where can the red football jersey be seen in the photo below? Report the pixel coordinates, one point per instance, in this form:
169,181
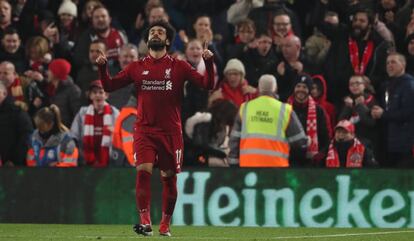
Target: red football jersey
159,86
113,41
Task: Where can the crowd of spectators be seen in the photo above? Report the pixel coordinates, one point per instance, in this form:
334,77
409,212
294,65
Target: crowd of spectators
334,60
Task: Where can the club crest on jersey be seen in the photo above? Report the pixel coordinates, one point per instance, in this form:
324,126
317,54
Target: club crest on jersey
168,73
168,85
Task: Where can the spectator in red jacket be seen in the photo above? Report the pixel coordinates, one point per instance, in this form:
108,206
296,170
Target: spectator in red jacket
319,93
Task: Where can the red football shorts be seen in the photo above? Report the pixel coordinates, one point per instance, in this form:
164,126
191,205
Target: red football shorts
164,151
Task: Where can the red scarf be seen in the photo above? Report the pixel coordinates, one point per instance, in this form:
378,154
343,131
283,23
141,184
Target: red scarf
354,156
235,95
16,90
359,68
311,127
88,136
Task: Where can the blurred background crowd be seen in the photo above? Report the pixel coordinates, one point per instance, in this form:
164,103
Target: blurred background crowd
350,59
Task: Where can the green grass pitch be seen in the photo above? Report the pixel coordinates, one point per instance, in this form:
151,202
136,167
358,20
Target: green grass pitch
53,232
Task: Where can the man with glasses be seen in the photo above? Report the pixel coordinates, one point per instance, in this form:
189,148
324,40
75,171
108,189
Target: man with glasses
281,28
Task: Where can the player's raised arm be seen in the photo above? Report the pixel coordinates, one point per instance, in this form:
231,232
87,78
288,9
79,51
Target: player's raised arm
111,83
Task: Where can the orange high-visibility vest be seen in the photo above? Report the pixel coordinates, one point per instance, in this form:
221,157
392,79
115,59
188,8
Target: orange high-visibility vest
263,141
67,157
123,139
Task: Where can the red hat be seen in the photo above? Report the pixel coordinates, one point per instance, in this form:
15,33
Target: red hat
347,125
60,68
96,84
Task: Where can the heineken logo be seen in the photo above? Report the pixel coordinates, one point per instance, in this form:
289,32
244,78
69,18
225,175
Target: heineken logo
341,204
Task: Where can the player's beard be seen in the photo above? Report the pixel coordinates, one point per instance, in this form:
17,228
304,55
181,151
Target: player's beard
157,44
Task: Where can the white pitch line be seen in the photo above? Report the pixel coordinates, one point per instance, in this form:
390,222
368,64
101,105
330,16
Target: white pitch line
342,235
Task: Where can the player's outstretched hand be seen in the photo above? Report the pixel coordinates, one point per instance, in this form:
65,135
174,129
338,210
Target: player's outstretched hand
206,53
101,59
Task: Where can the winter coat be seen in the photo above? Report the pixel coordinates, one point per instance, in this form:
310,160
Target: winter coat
67,98
366,128
286,82
59,149
257,65
211,146
86,74
399,113
18,59
344,150
15,129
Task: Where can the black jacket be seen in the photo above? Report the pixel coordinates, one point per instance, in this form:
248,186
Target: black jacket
18,59
67,98
257,65
366,128
399,113
286,82
15,128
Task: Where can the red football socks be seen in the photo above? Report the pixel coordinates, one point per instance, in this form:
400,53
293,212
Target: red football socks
143,196
165,223
169,196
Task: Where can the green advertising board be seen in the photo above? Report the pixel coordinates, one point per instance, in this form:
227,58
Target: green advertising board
217,196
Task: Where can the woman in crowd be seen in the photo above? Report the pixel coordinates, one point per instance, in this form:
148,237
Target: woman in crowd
86,15
245,33
50,143
38,54
357,109
234,87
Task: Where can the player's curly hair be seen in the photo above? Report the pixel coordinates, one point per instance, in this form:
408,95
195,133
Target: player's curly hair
161,23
